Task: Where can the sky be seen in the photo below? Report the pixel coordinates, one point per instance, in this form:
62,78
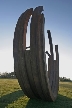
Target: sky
58,19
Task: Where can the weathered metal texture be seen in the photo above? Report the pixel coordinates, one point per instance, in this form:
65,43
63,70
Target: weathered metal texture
53,70
19,45
30,65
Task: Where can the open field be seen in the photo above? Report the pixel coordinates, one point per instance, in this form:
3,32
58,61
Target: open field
11,96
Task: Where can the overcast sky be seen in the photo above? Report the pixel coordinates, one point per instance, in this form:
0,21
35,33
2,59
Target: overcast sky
58,19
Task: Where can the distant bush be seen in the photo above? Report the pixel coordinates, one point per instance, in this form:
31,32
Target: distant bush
12,76
65,79
8,75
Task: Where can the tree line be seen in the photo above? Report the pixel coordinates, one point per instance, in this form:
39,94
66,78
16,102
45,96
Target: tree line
65,79
8,75
13,76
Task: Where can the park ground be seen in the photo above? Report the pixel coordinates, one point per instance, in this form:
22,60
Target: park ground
11,96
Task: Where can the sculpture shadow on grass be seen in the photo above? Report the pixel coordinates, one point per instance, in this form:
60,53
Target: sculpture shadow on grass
9,98
61,102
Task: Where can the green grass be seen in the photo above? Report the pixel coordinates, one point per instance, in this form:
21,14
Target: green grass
11,96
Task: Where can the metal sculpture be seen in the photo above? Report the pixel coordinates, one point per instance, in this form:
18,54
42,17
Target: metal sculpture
30,65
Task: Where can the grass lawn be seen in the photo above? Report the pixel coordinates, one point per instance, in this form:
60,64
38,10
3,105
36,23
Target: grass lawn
11,96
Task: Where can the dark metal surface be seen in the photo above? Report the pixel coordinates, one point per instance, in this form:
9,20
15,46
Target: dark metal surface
30,65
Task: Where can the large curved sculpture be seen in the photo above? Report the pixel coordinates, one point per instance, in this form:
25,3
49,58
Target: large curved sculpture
30,65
